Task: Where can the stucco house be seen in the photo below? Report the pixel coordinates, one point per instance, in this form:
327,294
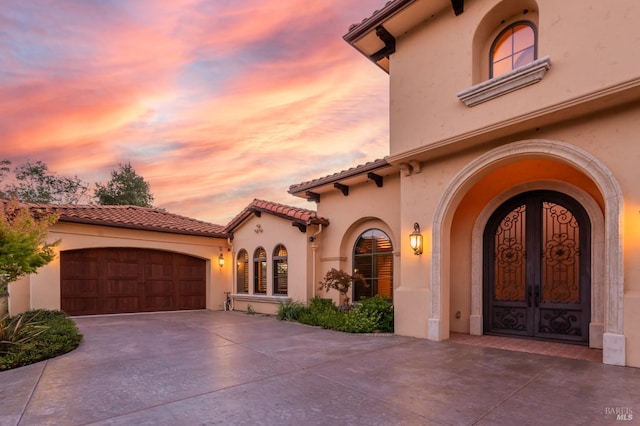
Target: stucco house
509,203
514,127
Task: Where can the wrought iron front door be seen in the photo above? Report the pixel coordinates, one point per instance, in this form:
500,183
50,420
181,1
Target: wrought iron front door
537,263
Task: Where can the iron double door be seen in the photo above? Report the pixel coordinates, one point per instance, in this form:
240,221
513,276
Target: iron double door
537,262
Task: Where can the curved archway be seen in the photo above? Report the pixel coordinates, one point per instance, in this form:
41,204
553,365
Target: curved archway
613,339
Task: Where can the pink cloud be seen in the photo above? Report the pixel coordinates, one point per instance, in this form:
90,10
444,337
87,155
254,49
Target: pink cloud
213,103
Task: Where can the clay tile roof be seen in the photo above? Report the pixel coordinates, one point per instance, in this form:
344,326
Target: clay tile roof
353,171
131,217
295,214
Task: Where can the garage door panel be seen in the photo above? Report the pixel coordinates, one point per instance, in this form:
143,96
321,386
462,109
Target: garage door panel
80,287
160,303
119,280
190,302
123,269
82,305
83,267
121,305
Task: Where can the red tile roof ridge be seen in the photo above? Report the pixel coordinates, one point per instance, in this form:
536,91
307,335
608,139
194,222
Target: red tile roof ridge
132,217
296,214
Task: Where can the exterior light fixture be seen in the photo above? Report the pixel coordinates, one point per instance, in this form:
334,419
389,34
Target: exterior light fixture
415,239
221,260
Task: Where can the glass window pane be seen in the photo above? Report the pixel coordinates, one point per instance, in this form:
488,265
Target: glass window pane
523,58
502,67
523,37
503,47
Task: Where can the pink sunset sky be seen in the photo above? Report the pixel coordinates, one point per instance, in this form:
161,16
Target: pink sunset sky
214,102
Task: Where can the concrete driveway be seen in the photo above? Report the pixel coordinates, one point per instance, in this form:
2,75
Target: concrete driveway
194,368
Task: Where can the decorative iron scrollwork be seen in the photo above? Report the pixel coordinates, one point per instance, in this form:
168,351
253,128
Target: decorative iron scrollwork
558,321
509,319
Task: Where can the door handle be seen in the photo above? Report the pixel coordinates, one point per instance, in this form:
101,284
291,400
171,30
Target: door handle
537,297
529,295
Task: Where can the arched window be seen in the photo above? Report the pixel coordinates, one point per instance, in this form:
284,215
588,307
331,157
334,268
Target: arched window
260,271
242,272
514,47
280,270
373,258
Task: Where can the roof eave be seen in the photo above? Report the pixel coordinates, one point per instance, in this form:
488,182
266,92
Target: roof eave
299,189
142,227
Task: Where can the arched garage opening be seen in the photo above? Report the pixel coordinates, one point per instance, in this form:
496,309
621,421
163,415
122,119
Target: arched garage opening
126,280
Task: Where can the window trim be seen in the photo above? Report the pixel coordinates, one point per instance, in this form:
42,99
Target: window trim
516,79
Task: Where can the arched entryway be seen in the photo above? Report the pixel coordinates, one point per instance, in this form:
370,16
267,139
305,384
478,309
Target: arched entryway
536,268
605,213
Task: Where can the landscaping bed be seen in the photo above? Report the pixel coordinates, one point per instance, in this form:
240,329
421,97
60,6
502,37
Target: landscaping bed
35,336
370,315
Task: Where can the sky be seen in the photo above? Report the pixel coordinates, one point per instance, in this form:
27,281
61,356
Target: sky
213,102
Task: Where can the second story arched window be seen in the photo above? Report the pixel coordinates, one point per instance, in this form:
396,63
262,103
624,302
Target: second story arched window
260,271
280,270
514,47
242,272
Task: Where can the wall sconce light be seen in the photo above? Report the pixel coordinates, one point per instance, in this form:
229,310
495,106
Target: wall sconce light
415,239
221,260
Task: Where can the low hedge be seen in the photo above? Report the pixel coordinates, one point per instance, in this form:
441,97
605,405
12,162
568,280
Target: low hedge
368,316
45,334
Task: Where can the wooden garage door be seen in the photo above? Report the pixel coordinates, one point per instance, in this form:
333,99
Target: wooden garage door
119,280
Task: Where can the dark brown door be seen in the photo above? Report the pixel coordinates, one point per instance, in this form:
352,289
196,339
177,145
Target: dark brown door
537,263
120,280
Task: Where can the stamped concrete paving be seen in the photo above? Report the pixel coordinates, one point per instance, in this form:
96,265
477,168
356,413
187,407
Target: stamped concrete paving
194,368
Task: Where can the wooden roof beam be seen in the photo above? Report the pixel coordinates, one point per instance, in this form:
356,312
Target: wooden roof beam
458,6
312,196
376,178
343,188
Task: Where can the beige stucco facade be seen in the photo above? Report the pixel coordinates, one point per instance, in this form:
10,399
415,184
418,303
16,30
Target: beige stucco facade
269,231
574,131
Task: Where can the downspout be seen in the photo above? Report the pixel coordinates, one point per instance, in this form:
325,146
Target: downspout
314,249
233,269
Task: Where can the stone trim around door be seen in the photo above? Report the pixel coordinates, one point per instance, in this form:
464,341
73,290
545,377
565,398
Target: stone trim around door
613,339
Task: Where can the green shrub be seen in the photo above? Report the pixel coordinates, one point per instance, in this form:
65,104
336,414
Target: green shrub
321,312
59,335
373,314
373,306
359,321
250,310
290,311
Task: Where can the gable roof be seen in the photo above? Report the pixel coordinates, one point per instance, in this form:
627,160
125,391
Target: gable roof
130,217
356,174
298,216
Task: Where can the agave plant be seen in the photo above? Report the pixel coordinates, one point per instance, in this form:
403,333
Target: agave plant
16,331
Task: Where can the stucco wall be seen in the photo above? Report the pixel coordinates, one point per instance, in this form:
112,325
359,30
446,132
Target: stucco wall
367,206
43,289
587,100
435,61
268,231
